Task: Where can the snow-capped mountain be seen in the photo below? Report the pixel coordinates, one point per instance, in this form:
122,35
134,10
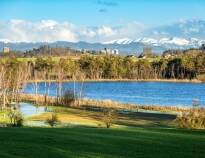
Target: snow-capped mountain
185,33
120,41
125,46
192,42
4,40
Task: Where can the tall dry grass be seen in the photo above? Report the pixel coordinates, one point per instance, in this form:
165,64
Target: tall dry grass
192,119
102,104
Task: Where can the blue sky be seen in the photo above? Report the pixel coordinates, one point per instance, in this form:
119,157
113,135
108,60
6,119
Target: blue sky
98,12
97,16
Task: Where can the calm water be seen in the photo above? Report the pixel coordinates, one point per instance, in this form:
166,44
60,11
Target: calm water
29,109
144,93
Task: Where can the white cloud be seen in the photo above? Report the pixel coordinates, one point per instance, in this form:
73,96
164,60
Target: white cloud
191,30
131,29
47,24
18,30
44,30
92,33
88,33
105,31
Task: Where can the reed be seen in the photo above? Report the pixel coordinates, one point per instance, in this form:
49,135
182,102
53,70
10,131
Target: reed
193,119
101,104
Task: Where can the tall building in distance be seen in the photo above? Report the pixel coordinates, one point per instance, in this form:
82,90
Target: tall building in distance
203,47
6,50
147,51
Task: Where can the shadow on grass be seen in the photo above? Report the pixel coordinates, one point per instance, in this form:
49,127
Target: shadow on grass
133,119
86,142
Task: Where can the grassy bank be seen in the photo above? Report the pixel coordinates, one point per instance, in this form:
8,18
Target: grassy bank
88,103
81,142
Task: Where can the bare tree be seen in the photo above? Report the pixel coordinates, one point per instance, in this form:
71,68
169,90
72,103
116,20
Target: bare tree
12,81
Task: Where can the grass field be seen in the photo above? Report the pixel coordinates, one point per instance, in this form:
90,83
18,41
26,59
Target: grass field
85,142
141,135
95,118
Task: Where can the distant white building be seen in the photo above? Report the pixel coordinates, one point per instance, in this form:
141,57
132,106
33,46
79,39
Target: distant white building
110,51
84,50
115,51
6,50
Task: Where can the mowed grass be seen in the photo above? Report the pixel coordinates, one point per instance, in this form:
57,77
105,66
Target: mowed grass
85,142
95,118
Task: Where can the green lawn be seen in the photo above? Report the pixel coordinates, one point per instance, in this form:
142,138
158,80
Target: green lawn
84,142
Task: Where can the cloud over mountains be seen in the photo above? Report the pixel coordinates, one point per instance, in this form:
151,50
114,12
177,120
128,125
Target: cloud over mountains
18,30
182,29
45,30
50,30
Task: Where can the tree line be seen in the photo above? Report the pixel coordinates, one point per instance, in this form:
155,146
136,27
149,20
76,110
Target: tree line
89,66
183,66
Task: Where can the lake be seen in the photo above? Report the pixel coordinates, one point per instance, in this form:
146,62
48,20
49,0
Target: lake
144,93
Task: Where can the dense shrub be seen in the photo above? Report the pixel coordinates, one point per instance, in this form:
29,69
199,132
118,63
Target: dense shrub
194,119
68,98
109,117
53,120
201,77
15,117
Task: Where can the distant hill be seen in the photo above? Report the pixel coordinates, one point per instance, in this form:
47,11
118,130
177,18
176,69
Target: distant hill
125,46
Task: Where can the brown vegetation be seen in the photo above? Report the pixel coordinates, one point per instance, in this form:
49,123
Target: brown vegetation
15,117
103,104
52,120
193,119
109,117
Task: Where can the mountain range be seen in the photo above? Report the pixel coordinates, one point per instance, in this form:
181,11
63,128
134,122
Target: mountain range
181,35
125,46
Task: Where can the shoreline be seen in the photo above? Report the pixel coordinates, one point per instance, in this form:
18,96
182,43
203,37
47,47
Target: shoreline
124,80
90,103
